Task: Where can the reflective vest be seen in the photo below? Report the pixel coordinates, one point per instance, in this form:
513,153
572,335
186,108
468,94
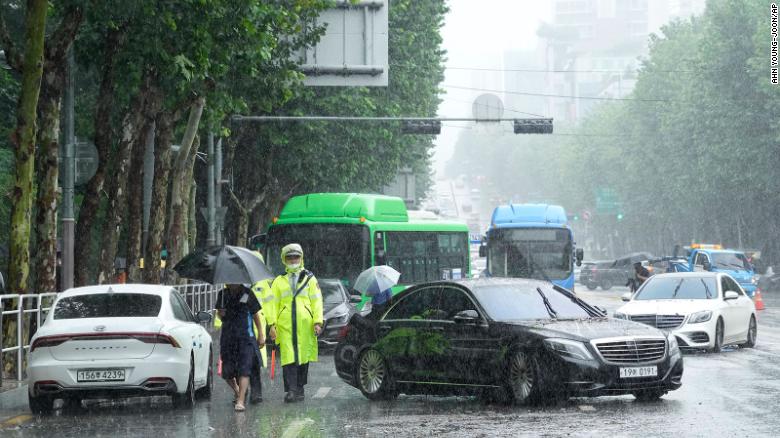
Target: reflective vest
299,325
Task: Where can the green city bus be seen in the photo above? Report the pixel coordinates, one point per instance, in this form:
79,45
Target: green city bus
343,234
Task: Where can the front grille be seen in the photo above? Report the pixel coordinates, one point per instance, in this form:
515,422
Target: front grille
632,350
660,321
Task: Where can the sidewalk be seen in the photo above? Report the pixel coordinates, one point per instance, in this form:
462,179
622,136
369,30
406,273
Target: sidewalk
13,400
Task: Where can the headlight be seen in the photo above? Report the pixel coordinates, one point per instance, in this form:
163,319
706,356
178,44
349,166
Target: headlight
569,348
339,319
674,348
619,315
698,317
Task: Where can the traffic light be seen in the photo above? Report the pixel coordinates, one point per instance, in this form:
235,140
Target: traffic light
431,127
620,216
576,218
533,126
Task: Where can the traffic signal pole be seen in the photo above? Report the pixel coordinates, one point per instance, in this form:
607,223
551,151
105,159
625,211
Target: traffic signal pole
68,182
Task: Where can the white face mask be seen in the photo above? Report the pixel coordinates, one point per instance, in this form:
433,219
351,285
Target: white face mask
294,265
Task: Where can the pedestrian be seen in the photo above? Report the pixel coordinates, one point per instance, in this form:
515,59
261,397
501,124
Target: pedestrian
641,274
239,310
380,302
295,321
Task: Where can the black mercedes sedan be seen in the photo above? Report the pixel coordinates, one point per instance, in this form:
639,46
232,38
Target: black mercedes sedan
515,340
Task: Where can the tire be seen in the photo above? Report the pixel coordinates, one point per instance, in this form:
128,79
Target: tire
205,392
718,347
606,285
591,286
42,404
187,400
373,376
752,333
523,385
649,395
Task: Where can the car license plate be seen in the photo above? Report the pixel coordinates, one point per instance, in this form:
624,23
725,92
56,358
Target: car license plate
634,372
100,375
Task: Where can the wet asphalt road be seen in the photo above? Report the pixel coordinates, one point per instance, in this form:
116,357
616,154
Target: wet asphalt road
734,393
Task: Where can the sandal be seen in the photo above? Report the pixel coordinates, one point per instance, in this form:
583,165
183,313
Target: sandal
239,407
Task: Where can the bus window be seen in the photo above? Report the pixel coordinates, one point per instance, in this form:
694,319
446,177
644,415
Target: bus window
425,256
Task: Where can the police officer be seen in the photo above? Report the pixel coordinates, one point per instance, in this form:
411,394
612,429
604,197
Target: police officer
295,321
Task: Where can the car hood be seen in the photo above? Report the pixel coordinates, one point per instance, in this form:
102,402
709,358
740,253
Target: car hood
666,307
588,329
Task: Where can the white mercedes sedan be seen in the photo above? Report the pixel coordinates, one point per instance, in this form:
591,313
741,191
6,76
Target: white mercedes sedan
704,310
122,340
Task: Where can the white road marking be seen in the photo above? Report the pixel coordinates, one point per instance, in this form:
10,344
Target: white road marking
587,408
322,392
295,428
334,374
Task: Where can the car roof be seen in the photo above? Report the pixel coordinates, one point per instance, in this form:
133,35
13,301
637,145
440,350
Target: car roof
478,283
151,289
697,274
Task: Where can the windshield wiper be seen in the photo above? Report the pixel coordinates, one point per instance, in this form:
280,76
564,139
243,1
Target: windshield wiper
706,288
550,310
676,289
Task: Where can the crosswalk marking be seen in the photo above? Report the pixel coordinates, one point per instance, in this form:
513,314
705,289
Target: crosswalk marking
322,392
295,428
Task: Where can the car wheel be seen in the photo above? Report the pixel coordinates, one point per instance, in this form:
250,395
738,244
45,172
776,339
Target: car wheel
187,400
373,376
205,392
523,379
752,333
42,404
606,285
591,286
649,395
718,347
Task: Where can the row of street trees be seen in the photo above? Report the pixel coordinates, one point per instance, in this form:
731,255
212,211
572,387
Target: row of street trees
172,72
692,154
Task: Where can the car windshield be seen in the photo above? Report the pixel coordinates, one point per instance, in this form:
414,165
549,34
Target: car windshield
678,288
108,305
329,250
730,260
530,253
331,292
523,302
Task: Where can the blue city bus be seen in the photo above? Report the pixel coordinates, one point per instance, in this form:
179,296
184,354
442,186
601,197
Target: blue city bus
531,241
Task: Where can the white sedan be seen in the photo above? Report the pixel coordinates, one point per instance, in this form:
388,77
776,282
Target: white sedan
121,340
704,310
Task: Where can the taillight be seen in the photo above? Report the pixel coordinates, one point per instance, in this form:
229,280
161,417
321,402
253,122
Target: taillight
48,341
344,331
156,338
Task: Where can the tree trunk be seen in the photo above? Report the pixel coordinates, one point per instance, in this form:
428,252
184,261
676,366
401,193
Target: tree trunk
49,106
180,185
129,145
157,218
135,209
85,226
23,139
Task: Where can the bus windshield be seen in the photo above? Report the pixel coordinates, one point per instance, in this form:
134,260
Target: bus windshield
338,251
530,253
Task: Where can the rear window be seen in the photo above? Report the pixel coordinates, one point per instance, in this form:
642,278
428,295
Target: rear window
114,305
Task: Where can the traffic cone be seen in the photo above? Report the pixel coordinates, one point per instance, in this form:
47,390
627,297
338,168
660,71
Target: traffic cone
758,301
219,366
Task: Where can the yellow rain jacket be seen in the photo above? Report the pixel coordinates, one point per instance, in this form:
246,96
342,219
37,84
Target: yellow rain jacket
294,317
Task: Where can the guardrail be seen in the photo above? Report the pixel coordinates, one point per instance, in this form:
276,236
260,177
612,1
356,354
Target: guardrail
23,308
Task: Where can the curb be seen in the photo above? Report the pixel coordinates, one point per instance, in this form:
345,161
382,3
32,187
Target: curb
13,400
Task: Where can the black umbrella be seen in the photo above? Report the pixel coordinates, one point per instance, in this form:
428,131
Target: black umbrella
632,258
223,265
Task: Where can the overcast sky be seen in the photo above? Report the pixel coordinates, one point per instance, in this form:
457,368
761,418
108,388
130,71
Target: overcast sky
476,34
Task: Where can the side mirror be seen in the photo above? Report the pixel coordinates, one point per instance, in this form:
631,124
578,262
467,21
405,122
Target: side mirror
579,254
707,266
466,317
730,295
626,296
483,250
354,299
203,316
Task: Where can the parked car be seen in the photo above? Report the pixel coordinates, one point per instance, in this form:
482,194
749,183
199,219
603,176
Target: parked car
519,340
337,308
604,274
120,340
704,310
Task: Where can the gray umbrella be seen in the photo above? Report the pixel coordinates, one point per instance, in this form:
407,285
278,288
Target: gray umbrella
223,265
